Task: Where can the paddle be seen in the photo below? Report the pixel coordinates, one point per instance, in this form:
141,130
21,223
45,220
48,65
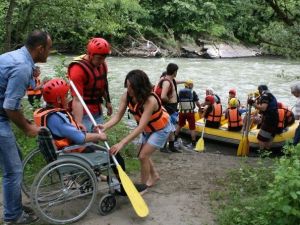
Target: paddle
134,196
200,142
243,148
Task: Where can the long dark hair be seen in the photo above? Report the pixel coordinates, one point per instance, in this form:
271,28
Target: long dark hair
140,84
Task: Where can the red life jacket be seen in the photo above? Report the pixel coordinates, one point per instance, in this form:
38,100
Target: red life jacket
40,118
216,114
234,118
96,81
158,88
159,119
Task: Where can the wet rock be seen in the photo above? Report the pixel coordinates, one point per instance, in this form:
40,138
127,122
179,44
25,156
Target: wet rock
224,50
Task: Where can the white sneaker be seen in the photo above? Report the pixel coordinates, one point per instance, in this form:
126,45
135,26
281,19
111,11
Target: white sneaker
178,143
115,184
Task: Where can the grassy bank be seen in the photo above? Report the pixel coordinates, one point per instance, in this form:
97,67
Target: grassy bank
267,194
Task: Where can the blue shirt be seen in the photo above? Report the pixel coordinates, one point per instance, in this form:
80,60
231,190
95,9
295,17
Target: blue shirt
16,74
60,126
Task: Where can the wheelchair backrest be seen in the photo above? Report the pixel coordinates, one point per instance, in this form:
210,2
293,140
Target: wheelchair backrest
46,145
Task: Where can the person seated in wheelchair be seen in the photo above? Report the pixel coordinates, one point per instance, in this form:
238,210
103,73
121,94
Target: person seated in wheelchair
63,127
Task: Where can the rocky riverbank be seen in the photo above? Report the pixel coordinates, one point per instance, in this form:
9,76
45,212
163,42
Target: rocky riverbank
199,49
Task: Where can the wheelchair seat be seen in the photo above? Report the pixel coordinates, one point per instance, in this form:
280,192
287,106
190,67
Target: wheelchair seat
98,158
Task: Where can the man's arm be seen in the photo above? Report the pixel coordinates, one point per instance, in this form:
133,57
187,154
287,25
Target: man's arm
17,117
107,99
77,110
77,75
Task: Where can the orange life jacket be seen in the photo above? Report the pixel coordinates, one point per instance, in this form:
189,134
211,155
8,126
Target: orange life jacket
96,82
234,118
31,91
216,114
281,118
159,119
40,118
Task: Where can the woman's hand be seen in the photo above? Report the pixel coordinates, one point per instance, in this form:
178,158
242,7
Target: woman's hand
116,148
99,128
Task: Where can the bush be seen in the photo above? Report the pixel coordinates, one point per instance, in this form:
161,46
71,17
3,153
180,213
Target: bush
263,195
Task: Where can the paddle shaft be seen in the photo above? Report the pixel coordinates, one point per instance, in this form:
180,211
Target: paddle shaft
90,116
203,129
248,121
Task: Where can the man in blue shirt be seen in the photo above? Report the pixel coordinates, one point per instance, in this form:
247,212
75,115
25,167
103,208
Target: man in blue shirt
16,70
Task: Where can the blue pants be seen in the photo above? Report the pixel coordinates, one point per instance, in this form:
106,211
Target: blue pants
11,165
88,123
297,135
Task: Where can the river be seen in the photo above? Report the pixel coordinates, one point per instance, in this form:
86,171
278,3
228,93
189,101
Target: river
243,74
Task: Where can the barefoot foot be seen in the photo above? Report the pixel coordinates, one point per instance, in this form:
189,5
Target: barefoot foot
152,181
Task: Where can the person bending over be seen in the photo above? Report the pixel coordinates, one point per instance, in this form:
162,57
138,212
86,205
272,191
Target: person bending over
63,126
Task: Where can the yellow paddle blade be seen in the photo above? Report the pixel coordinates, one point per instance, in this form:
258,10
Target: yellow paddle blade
246,148
239,151
134,196
243,148
200,145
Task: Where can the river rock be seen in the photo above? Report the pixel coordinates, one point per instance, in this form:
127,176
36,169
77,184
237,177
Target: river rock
224,50
191,51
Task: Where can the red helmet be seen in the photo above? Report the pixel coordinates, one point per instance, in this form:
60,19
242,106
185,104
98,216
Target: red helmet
98,46
55,91
210,98
232,91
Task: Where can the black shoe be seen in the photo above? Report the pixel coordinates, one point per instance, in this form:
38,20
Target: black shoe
25,218
164,150
28,210
175,150
141,188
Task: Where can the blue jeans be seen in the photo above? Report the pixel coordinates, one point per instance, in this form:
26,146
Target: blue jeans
11,165
297,135
88,123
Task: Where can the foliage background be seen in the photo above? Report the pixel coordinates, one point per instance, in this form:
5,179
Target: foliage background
272,25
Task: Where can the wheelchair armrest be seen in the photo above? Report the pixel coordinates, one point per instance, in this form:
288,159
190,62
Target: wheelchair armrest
73,147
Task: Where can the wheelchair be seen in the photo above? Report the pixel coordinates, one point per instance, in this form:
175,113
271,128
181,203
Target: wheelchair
63,185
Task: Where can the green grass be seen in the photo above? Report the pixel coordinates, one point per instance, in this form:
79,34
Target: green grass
262,194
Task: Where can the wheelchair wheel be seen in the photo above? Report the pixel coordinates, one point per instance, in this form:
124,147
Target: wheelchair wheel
107,204
33,163
64,191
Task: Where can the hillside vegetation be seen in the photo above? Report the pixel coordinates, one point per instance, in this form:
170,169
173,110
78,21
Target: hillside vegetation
272,25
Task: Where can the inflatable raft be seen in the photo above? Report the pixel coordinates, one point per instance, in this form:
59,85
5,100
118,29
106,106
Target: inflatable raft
234,137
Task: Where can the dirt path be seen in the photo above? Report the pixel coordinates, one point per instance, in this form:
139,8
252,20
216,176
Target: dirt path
181,196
